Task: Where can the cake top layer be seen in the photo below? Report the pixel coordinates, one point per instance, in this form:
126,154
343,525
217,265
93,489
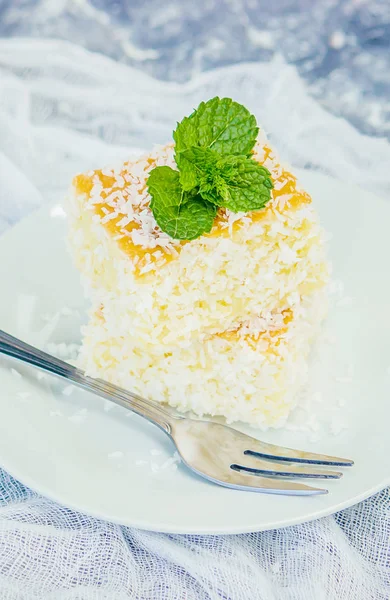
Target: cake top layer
120,202
195,188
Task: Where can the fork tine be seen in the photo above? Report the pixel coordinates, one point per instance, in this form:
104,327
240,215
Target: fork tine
253,483
280,453
255,464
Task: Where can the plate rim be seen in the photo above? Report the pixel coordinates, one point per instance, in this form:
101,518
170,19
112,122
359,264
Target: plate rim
30,482
166,528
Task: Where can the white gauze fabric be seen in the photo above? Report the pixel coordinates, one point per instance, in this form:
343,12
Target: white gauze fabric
63,110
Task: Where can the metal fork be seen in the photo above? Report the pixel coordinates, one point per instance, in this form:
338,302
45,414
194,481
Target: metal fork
216,452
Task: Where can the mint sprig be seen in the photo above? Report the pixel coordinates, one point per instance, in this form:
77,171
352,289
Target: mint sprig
220,124
213,149
234,182
196,163
242,185
182,215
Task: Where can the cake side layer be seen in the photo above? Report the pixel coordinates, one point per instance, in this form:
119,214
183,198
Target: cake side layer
214,284
239,375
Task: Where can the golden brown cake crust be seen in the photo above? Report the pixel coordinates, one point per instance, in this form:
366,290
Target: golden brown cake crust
120,200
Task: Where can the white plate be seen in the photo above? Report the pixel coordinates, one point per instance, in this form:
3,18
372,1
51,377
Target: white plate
89,461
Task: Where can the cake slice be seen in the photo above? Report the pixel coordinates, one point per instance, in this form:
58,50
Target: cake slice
219,325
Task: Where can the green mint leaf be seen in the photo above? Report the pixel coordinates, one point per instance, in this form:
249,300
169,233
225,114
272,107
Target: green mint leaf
195,164
239,184
225,126
182,215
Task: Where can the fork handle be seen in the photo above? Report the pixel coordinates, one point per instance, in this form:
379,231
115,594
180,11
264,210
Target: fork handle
11,346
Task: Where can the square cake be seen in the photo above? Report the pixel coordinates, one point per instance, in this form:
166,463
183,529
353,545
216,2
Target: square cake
218,325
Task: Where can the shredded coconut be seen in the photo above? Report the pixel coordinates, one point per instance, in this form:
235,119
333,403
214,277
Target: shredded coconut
221,325
68,390
78,417
115,454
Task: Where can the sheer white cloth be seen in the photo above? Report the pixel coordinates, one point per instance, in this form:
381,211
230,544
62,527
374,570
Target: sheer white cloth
62,110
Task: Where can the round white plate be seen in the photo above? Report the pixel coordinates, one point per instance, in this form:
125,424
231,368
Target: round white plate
70,449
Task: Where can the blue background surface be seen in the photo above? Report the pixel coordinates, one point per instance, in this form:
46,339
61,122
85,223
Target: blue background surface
340,47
